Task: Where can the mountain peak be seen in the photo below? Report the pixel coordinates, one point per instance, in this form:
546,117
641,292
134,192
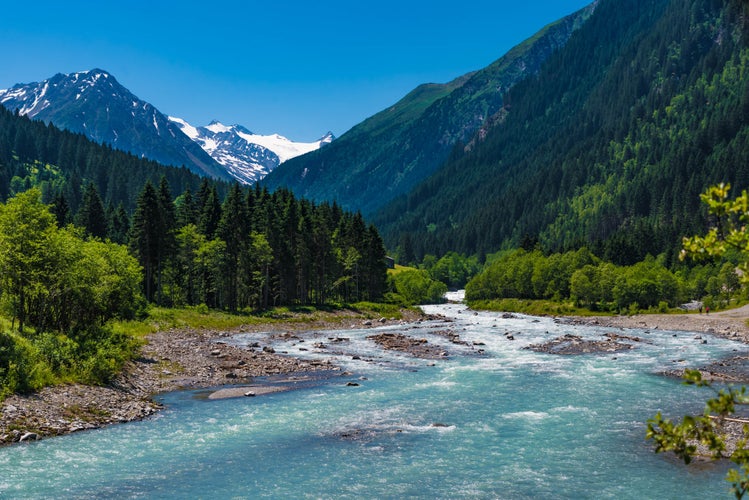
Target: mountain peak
98,71
327,138
94,104
92,77
248,157
217,127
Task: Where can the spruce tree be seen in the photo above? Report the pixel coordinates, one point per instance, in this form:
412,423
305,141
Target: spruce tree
375,269
118,225
91,215
233,229
210,214
186,210
145,237
60,209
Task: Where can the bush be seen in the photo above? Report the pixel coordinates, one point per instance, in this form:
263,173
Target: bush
416,287
22,367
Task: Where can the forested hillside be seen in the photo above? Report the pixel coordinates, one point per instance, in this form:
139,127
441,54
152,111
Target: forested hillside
199,241
391,152
609,146
61,163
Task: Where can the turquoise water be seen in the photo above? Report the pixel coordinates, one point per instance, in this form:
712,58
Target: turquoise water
505,423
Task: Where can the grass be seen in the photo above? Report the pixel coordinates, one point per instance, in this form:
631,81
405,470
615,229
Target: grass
535,307
200,317
372,309
399,269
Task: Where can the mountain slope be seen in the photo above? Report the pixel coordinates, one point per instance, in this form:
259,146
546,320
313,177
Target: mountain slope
246,156
389,153
94,104
61,163
608,146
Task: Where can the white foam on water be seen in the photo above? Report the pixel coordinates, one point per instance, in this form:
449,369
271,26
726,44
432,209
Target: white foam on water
526,415
509,423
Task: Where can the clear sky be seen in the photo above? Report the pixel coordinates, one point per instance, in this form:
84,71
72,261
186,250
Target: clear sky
297,68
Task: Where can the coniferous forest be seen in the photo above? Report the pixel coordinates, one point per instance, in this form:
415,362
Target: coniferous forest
609,146
198,241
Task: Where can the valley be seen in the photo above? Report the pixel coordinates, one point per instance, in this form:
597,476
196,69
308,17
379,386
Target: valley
588,189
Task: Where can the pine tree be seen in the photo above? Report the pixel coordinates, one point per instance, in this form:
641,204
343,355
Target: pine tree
210,214
234,230
91,215
118,225
375,269
201,197
186,210
145,237
60,209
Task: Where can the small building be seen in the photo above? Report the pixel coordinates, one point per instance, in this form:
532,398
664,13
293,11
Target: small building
390,262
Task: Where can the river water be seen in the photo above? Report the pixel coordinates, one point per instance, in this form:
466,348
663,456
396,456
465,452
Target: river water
491,420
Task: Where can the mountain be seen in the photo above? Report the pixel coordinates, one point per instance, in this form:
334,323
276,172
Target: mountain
246,156
61,163
608,146
94,104
391,152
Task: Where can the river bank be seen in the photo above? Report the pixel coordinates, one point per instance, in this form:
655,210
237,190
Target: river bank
193,358
727,324
171,360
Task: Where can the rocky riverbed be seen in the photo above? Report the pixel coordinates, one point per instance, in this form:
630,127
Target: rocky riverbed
171,360
191,358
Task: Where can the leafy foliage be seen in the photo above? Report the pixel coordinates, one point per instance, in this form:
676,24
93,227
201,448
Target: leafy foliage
62,289
598,285
452,269
729,231
416,287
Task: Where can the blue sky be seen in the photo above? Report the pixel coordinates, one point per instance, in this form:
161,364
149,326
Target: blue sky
290,67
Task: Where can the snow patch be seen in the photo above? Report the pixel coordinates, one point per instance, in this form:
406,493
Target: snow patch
283,147
218,127
186,128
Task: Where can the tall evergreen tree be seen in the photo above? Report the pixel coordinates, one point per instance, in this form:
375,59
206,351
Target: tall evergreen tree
146,237
186,210
201,197
60,209
210,214
118,225
91,215
375,269
234,230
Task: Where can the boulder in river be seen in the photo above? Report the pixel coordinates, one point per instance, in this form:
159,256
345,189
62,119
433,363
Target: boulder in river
574,344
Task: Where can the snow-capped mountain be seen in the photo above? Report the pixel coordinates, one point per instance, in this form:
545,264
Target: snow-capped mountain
246,156
95,104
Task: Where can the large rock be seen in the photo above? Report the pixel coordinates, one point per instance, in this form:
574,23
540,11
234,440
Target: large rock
574,344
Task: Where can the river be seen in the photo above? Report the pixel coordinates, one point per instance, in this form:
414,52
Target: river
490,420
